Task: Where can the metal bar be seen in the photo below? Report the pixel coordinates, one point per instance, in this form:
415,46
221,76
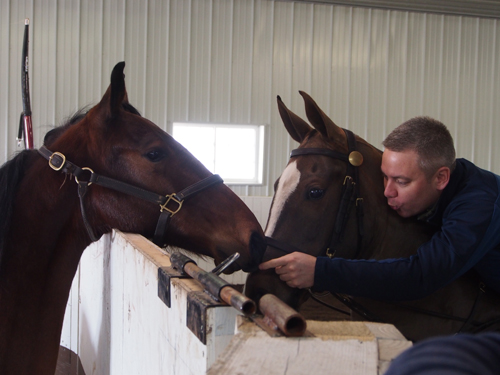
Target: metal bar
289,321
216,286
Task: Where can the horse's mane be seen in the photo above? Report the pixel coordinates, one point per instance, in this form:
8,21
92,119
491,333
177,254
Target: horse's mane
12,172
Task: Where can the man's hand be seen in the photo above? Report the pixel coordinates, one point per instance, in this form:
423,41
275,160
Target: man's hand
296,269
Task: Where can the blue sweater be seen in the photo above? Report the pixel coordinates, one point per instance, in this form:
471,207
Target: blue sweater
468,217
463,354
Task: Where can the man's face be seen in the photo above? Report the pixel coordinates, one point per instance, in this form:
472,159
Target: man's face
407,189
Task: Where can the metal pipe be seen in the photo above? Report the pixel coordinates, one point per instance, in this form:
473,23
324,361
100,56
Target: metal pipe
216,286
289,321
238,300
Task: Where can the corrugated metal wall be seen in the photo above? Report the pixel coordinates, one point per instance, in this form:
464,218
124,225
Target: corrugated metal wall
225,61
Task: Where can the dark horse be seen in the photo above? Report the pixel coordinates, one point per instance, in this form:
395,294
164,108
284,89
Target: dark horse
304,213
47,220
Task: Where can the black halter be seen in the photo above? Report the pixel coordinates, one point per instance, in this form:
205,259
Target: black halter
350,196
169,204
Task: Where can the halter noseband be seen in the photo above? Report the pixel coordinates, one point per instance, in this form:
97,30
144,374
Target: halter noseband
350,196
58,162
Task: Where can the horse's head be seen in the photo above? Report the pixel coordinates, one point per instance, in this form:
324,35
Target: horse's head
116,142
308,194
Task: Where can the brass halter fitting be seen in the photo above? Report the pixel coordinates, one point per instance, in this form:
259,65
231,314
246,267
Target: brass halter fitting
91,173
356,158
63,161
330,254
171,198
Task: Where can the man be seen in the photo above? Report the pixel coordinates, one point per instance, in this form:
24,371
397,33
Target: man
422,179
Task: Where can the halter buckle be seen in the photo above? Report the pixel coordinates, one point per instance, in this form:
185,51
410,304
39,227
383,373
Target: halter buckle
53,166
171,197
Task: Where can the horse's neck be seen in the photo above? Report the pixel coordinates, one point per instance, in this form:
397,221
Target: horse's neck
392,236
40,258
400,237
387,234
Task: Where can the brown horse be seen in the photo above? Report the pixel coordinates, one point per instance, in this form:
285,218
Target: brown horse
305,212
123,165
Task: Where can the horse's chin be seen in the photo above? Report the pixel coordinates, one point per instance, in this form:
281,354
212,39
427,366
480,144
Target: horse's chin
251,253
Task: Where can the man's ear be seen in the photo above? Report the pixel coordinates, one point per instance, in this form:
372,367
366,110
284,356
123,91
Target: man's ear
442,177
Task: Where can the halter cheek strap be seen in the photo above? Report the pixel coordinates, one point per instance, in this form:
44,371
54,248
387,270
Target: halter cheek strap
58,162
167,213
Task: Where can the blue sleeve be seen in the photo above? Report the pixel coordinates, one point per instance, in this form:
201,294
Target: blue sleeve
463,354
467,233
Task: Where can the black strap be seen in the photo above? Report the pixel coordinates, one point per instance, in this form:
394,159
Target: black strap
58,162
346,201
82,190
320,151
166,215
198,186
350,197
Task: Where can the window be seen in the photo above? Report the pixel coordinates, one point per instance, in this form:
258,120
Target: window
235,152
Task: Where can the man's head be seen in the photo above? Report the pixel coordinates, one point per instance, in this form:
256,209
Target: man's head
417,162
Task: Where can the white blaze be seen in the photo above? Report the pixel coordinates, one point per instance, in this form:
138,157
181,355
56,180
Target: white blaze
288,183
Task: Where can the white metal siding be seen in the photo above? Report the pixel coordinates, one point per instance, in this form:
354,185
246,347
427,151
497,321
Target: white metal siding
225,61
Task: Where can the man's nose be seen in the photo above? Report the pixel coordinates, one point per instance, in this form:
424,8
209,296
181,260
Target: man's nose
389,191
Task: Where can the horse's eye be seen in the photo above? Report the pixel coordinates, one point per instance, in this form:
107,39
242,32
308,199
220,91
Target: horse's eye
155,155
316,193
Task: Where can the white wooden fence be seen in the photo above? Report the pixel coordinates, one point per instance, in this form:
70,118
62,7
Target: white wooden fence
118,322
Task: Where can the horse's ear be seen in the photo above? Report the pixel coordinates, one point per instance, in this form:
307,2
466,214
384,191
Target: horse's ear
319,119
116,94
296,127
